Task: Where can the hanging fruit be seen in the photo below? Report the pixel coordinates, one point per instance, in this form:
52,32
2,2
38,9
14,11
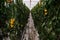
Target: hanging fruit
45,11
12,20
9,1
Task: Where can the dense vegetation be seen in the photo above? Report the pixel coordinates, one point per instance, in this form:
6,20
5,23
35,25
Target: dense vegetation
47,19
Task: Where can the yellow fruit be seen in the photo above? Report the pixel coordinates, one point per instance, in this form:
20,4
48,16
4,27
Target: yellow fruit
45,11
11,26
45,14
12,20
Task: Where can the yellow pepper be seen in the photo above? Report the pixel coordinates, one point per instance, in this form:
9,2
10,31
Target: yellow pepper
45,12
12,20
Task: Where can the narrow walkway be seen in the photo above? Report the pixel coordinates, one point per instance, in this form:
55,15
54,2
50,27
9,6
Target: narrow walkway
30,33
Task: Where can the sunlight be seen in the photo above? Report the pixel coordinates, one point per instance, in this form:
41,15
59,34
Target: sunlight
31,4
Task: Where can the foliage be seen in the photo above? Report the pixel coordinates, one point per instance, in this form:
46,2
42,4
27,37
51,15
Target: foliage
47,25
16,11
